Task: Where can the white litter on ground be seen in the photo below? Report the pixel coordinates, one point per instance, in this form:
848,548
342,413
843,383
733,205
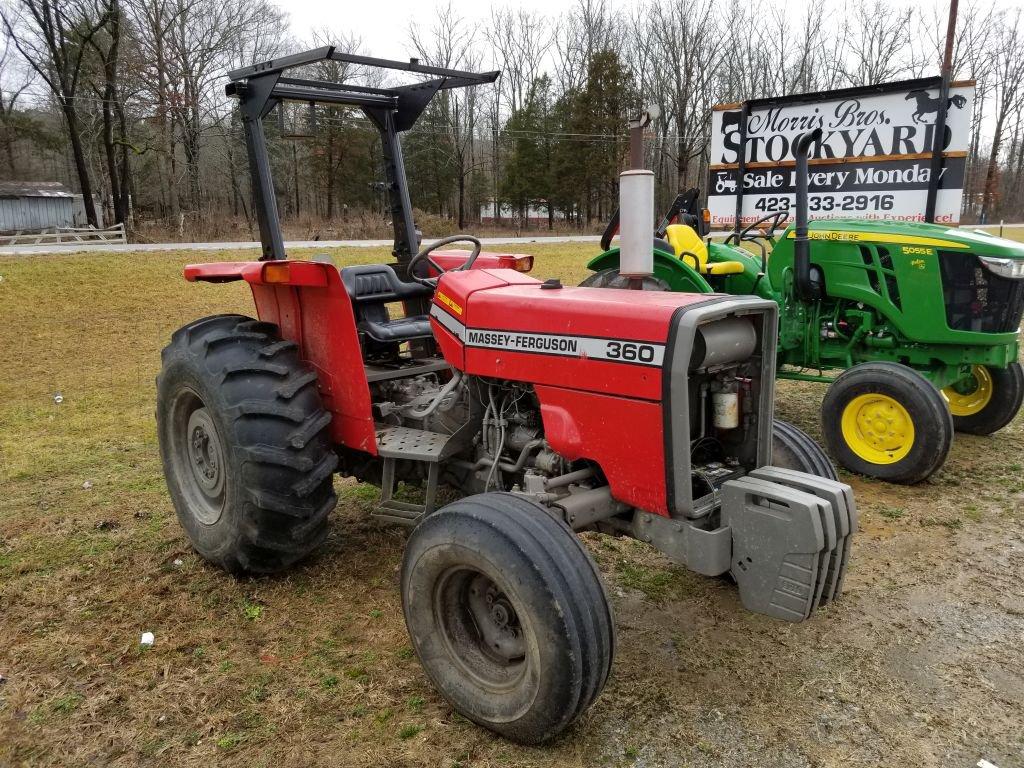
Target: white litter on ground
148,638
983,763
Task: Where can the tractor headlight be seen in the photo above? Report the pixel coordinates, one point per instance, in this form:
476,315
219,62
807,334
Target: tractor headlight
1010,268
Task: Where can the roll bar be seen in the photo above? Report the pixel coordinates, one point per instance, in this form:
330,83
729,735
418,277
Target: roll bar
261,87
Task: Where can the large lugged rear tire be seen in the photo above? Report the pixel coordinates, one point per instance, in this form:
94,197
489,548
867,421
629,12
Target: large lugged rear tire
244,443
989,402
793,448
508,615
886,420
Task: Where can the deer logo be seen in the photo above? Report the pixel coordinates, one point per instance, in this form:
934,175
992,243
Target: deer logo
927,105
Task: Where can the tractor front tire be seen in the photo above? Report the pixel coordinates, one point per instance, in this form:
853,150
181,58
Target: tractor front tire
793,448
244,443
994,398
887,421
508,615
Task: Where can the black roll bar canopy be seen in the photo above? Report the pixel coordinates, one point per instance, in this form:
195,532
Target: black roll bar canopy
261,87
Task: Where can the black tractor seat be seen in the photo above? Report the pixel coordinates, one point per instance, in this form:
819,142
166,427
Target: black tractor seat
373,286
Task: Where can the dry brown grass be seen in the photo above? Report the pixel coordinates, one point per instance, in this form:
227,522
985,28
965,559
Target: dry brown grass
920,664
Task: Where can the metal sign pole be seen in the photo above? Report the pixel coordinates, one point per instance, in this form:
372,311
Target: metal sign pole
741,167
940,120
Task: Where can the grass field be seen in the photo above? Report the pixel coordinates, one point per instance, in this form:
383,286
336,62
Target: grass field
919,665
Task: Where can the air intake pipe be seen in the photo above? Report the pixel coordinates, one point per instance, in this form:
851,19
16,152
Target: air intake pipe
805,291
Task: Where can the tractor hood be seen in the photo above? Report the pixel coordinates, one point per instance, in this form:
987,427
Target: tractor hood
911,234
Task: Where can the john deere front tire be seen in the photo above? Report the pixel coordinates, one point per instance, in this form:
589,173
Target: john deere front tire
988,401
244,444
793,448
508,615
885,420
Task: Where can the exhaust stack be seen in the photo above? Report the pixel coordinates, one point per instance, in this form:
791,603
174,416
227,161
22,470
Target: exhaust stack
801,243
636,219
636,206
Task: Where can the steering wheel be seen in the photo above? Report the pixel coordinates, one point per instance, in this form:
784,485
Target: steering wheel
424,255
775,218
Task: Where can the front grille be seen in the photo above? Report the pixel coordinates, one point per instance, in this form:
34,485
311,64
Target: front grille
978,300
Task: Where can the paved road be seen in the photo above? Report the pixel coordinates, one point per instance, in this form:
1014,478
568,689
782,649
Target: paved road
156,247
144,247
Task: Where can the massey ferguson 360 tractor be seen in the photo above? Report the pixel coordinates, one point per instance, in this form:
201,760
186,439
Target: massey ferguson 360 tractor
557,409
921,319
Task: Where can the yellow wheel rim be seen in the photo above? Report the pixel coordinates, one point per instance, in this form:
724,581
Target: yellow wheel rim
968,397
878,428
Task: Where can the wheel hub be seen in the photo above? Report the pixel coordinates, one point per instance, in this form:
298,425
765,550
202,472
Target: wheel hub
481,628
878,428
971,395
204,455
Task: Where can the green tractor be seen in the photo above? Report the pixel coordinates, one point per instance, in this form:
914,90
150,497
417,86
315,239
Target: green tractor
921,320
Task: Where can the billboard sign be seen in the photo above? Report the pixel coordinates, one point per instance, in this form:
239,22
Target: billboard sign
873,161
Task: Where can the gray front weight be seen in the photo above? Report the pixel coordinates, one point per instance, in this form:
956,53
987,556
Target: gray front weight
840,497
778,541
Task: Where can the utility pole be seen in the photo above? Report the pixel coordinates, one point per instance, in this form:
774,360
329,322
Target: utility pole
940,119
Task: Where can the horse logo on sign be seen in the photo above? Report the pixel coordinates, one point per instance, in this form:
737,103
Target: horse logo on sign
928,105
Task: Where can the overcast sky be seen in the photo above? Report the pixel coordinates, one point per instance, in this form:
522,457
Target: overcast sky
383,24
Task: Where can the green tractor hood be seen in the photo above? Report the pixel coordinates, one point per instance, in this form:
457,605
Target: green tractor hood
913,234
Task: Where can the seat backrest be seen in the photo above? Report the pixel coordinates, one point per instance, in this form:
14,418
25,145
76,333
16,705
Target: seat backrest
685,239
378,284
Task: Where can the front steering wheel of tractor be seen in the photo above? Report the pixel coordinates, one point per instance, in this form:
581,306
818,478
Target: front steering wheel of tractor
424,255
775,219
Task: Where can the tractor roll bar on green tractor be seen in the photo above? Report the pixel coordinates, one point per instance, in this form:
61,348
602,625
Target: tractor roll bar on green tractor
261,87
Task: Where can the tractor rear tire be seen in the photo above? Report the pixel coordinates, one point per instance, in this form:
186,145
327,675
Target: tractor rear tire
244,443
508,615
1004,397
793,448
886,420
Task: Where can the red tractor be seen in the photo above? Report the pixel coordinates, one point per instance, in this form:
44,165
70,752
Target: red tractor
554,409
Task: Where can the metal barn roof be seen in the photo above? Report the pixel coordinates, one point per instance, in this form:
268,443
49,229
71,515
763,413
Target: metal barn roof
16,189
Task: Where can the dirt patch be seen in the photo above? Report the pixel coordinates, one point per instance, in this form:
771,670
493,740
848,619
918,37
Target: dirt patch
919,664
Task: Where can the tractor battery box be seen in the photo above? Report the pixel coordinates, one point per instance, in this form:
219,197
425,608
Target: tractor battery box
711,476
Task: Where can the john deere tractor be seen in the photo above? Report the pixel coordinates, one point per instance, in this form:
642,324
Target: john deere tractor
920,320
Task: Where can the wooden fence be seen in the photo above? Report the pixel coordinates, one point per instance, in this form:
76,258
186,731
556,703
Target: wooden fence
68,236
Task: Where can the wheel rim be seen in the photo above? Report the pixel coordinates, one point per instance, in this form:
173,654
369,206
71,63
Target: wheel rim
481,629
971,395
878,429
198,456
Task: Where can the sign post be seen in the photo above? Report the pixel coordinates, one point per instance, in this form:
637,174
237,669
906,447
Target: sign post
940,120
873,160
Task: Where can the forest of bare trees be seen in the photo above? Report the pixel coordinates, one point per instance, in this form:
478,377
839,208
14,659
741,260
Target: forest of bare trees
124,101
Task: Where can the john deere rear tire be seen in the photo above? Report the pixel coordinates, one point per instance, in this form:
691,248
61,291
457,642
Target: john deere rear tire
244,444
508,615
885,420
990,403
793,448
610,278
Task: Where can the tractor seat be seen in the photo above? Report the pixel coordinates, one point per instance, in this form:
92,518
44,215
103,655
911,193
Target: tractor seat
687,245
372,287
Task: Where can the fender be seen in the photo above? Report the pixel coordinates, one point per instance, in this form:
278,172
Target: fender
746,281
681,277
308,303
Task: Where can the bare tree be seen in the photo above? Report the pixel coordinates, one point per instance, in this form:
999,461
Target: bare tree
521,40
1007,51
879,43
55,39
14,81
450,43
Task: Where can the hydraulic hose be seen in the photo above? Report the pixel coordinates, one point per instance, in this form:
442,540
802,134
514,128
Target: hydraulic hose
446,390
